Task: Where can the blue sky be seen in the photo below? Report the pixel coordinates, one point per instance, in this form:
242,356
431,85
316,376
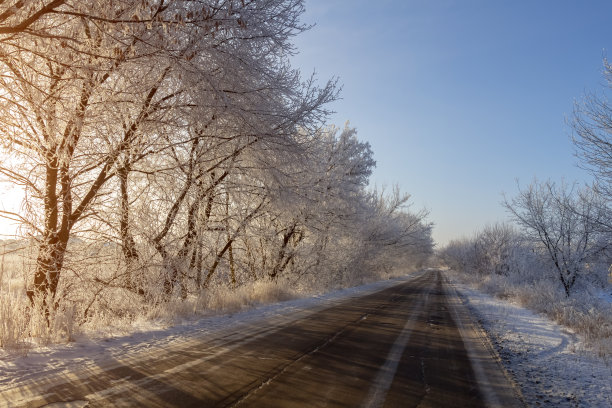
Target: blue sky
460,99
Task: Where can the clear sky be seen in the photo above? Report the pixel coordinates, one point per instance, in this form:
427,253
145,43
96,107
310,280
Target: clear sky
460,98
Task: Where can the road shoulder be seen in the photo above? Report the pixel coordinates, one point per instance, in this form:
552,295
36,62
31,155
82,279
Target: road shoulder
496,385
553,366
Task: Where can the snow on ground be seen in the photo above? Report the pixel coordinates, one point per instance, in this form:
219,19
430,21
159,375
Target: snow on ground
17,367
550,363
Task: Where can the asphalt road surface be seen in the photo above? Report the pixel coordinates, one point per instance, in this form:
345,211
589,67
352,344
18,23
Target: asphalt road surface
411,345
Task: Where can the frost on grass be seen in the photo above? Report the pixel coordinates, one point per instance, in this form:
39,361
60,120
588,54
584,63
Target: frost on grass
149,335
554,366
505,263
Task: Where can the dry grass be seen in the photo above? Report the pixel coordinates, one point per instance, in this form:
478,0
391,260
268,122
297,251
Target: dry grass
92,301
582,312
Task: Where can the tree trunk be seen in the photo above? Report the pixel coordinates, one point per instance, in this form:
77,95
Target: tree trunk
49,263
250,259
52,249
231,239
215,264
282,260
230,249
128,245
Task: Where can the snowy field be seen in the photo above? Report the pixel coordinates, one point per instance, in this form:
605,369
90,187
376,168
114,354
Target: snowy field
552,365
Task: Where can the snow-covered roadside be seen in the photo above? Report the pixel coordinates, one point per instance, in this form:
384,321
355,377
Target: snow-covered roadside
550,363
15,368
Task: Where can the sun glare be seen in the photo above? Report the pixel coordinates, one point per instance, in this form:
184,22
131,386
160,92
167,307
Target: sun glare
10,202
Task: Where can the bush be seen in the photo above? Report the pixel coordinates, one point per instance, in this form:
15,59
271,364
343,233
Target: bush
531,281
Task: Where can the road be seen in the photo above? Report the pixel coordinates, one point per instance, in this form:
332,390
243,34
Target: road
411,345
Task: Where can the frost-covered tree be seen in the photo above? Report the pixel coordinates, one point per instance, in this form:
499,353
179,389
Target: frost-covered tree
389,227
592,136
176,139
17,16
92,89
496,247
77,95
459,254
564,220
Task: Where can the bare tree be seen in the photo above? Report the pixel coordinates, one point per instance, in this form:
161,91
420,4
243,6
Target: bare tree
592,136
17,16
91,88
177,134
81,99
494,248
564,220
